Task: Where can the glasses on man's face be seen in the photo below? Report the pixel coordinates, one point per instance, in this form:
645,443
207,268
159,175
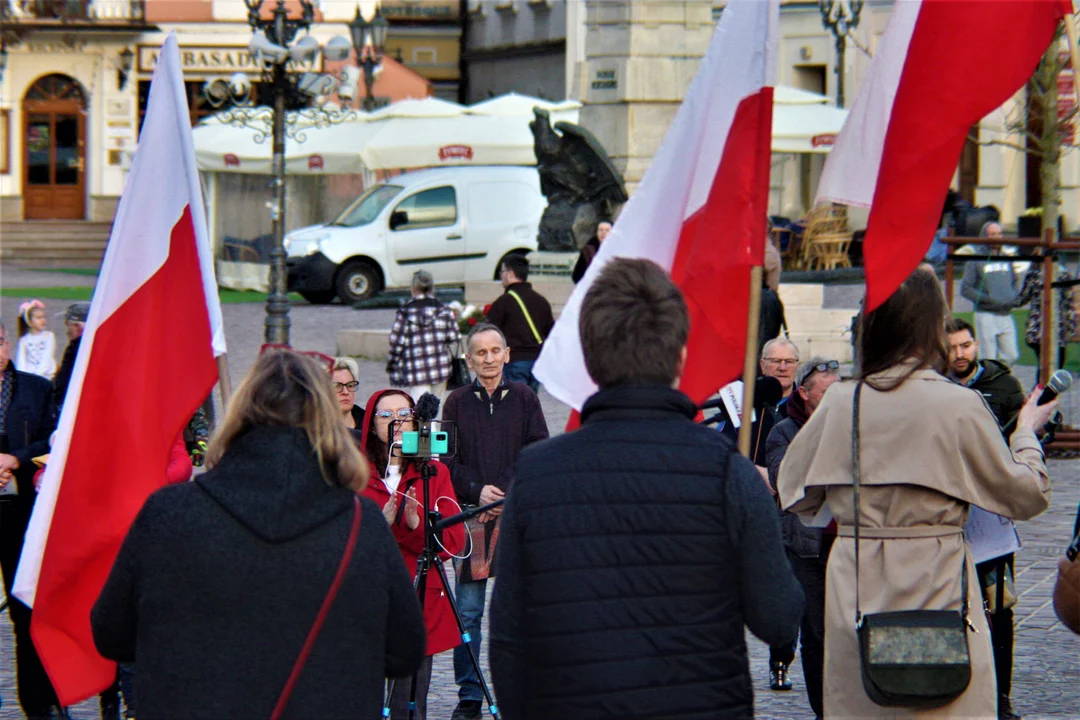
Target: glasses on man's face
349,386
781,362
402,414
830,366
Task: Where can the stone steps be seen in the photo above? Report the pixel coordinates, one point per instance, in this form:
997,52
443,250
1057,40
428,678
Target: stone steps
54,242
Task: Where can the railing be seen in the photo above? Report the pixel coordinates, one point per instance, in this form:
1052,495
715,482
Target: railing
61,12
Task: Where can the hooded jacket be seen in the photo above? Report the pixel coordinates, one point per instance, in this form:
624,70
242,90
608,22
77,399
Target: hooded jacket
1000,388
420,354
218,582
991,286
442,630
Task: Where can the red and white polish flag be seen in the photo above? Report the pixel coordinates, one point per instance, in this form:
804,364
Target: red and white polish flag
146,363
941,66
699,212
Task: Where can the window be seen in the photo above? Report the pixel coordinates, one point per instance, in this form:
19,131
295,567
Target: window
427,209
198,107
423,56
364,209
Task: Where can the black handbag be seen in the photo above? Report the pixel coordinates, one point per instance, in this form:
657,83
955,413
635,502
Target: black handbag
910,658
459,370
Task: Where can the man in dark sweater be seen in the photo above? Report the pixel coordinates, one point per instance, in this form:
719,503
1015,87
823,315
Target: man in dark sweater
495,419
634,550
807,548
74,325
524,317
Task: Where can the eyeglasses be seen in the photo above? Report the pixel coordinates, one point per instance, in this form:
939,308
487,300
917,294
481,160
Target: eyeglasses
317,356
350,386
821,367
781,361
402,414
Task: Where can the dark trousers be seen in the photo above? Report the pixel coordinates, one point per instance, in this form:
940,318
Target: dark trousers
810,572
1001,627
399,700
36,694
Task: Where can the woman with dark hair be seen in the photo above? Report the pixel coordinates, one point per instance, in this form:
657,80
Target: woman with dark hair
219,583
928,450
397,487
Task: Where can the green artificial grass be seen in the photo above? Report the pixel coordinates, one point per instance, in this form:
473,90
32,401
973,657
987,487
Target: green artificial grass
74,294
87,272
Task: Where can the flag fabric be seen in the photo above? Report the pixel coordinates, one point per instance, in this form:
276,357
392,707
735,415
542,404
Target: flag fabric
936,73
699,212
146,363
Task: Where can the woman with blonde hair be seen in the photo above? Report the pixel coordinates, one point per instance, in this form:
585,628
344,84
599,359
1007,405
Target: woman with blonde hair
267,587
928,450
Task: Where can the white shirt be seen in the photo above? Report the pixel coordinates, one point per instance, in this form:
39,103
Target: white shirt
393,478
36,354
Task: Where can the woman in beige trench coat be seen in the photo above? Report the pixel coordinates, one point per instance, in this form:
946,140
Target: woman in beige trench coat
929,448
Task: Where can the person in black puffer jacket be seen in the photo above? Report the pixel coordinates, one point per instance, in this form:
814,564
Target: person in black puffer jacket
634,550
219,581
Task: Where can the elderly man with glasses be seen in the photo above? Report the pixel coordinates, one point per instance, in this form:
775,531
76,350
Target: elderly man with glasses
807,548
779,358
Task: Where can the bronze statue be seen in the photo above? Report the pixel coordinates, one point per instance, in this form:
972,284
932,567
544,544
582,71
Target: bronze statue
579,181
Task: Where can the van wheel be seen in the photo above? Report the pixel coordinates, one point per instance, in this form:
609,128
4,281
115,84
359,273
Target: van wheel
498,267
356,281
318,297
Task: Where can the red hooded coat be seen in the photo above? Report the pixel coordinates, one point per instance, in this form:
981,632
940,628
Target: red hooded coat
442,631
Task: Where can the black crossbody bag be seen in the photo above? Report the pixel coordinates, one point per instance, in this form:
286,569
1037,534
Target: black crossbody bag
909,658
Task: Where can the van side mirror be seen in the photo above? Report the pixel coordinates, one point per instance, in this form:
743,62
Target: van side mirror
398,218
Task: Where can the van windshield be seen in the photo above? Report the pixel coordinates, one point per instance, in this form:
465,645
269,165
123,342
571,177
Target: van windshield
364,209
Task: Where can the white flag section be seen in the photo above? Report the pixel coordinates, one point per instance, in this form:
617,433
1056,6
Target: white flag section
146,363
699,211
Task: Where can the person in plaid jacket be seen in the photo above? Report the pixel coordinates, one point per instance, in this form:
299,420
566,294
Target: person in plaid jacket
420,353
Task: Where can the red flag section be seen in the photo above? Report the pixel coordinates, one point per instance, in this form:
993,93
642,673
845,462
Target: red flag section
934,77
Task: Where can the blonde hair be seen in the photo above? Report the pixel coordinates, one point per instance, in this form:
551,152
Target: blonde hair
347,363
287,389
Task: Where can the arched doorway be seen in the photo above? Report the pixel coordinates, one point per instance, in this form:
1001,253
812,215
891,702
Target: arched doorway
54,149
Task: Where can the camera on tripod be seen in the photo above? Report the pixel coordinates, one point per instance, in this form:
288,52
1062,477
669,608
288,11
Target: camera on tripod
425,443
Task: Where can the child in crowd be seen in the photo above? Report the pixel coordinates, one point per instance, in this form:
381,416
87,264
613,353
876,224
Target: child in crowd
37,346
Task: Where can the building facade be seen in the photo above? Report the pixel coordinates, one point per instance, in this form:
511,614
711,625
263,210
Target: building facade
518,46
76,78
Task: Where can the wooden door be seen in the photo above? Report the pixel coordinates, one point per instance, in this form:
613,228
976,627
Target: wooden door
54,155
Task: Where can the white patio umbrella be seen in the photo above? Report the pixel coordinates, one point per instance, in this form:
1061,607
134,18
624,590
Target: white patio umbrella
512,104
428,107
803,122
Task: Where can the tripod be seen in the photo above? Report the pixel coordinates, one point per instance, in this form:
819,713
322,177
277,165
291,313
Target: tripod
428,559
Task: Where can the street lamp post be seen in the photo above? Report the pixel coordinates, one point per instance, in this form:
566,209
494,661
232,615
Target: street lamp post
369,41
274,47
840,17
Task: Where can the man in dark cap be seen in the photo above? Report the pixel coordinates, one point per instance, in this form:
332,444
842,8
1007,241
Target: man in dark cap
74,324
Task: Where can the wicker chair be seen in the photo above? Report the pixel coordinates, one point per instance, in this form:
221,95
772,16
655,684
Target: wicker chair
826,239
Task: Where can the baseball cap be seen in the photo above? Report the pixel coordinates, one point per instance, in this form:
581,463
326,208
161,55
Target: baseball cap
77,312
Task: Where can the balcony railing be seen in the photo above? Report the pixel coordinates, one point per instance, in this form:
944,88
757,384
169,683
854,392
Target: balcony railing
73,12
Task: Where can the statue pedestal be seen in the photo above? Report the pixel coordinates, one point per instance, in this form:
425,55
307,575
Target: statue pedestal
552,266
640,56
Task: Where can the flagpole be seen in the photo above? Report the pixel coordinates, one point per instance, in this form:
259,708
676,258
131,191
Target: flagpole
224,382
750,360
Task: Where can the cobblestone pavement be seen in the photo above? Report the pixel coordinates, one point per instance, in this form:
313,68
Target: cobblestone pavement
1047,657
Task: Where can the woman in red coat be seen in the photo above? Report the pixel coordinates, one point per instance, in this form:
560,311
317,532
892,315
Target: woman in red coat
396,487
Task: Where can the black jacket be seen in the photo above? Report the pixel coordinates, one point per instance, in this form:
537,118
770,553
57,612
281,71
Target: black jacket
505,313
63,374
1001,390
802,540
632,553
218,582
29,421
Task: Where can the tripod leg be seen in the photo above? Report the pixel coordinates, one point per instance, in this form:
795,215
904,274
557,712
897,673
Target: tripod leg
492,705
419,584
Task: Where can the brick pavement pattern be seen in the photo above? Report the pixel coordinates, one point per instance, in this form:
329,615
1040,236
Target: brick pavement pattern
1047,657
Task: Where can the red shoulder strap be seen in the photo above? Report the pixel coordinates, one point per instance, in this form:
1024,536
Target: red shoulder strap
335,585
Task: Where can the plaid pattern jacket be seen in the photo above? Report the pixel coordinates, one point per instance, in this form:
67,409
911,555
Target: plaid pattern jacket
420,352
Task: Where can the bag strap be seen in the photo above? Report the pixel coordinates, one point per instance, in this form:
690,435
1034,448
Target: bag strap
856,471
335,585
528,318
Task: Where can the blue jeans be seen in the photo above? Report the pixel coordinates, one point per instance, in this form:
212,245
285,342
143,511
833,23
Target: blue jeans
521,371
470,598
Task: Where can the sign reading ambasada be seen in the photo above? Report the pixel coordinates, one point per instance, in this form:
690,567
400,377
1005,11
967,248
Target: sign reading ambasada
213,60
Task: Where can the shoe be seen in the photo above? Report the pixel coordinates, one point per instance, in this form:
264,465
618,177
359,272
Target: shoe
778,676
468,710
1005,709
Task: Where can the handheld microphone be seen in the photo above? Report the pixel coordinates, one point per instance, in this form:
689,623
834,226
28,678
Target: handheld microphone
767,391
1059,382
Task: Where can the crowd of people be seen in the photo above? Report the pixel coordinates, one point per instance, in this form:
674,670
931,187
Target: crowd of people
630,554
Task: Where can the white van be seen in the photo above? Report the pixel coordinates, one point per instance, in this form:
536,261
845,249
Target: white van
457,223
